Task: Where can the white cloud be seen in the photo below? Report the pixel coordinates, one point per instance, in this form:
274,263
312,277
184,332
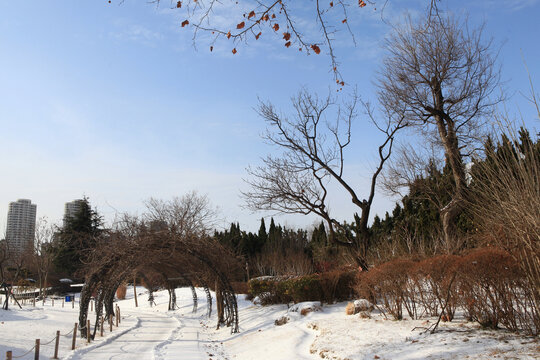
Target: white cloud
127,31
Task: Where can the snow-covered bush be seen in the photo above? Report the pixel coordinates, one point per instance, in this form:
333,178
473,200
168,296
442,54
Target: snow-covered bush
306,307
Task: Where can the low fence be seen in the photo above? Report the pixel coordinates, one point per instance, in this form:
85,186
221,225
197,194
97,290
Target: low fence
71,336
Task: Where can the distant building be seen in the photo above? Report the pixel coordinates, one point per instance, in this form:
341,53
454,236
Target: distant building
71,209
21,225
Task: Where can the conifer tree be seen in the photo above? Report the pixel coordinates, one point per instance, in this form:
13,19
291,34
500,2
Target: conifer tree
76,238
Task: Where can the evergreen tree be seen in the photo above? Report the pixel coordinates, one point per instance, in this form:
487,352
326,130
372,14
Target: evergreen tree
273,234
76,238
263,236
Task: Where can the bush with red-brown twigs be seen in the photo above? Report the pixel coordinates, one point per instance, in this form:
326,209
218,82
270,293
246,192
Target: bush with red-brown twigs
494,290
487,283
388,284
435,280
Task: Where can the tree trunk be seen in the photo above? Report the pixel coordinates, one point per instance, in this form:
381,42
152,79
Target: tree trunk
447,133
219,304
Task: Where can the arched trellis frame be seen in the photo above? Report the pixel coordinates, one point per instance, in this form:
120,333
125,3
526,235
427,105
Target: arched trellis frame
120,256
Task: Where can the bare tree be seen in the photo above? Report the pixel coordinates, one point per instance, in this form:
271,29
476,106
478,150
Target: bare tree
42,255
443,78
313,143
188,215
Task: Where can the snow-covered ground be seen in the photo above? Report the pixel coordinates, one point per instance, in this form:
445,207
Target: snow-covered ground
154,333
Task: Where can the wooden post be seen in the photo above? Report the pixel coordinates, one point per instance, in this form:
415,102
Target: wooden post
88,331
110,321
56,344
9,354
62,301
36,354
34,302
74,337
119,315
73,302
116,317
101,327
91,305
135,291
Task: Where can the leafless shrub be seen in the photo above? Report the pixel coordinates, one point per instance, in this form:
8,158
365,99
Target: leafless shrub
278,262
436,288
388,285
494,291
506,202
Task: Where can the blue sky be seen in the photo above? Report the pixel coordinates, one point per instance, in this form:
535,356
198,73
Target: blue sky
112,100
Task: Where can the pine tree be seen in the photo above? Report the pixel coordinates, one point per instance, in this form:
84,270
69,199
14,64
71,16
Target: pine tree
76,238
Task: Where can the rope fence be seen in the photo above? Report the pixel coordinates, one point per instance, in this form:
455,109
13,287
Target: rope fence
70,335
21,356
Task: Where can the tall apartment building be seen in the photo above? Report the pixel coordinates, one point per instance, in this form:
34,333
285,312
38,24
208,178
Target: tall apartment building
71,209
21,225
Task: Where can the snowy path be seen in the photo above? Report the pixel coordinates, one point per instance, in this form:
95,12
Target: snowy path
156,336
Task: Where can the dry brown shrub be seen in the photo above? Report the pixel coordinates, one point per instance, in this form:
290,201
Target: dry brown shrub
436,286
240,287
350,309
338,285
305,311
388,283
494,290
121,292
281,321
364,315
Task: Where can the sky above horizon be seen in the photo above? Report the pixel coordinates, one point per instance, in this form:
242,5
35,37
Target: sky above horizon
113,102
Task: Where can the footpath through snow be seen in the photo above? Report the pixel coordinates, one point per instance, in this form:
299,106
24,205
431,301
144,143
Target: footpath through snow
157,333
155,336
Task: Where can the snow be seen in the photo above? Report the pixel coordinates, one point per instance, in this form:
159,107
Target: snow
152,332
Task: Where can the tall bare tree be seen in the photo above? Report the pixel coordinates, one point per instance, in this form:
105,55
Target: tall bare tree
313,142
443,77
42,255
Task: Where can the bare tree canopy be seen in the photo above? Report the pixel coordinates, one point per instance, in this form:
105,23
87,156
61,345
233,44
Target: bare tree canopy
313,143
440,70
443,78
188,215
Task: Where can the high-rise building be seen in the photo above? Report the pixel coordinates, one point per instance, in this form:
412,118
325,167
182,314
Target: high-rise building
21,224
71,209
